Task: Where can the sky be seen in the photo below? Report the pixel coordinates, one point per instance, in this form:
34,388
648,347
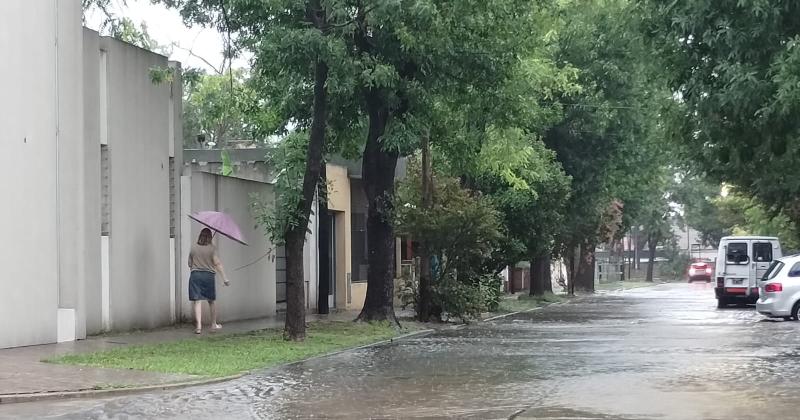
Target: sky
166,27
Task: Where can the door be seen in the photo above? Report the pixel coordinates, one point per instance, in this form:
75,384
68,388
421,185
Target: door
737,264
762,258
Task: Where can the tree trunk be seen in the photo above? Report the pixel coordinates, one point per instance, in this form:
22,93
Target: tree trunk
651,260
295,327
538,276
547,275
425,276
378,172
324,244
584,279
571,274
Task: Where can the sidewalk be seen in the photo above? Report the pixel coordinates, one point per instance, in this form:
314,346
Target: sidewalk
23,372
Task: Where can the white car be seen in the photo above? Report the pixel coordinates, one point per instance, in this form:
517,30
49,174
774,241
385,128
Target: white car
779,289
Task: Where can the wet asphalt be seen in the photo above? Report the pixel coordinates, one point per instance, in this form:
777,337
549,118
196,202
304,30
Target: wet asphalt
663,352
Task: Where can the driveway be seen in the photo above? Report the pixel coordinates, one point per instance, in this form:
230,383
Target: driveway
662,352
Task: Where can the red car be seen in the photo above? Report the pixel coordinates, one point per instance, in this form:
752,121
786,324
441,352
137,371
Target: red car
701,271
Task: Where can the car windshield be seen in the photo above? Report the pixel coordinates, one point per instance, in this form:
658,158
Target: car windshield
773,270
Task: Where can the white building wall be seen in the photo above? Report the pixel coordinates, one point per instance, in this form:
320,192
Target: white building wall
138,140
71,182
91,211
29,117
251,271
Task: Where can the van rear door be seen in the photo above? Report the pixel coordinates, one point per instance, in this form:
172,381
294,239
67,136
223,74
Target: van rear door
737,266
762,258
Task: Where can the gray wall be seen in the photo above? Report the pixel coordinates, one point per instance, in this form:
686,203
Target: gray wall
252,290
55,112
91,132
71,196
28,111
138,139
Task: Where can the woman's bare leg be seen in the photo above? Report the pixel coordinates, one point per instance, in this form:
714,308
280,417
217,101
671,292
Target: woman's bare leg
213,307
198,315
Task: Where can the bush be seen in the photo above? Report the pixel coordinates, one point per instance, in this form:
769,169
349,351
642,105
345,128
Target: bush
408,292
675,268
460,227
491,287
459,299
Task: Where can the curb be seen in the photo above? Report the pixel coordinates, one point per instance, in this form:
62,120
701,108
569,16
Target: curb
113,392
99,393
524,311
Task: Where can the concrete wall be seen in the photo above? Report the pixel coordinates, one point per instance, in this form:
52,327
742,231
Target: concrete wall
139,134
91,129
68,92
252,290
28,117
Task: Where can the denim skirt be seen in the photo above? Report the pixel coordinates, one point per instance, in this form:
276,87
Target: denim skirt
202,286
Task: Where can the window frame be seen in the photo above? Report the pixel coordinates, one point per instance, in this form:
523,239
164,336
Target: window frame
737,262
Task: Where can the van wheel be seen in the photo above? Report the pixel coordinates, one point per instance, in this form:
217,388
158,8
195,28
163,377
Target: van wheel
723,303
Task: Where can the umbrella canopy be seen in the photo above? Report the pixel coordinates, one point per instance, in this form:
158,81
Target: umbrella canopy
220,223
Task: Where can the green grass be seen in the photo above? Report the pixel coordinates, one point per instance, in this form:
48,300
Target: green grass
223,355
625,285
526,302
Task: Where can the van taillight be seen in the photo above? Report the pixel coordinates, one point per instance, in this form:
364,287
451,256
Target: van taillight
720,281
773,287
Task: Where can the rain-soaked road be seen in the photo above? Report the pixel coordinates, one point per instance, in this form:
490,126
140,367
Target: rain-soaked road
664,352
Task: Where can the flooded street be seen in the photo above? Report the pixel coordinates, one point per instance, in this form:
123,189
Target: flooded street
664,352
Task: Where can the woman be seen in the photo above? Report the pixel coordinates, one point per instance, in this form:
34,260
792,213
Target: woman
205,265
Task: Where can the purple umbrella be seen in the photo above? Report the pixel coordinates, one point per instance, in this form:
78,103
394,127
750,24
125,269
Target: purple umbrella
220,223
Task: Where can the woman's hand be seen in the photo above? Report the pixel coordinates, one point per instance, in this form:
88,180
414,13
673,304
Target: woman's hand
227,282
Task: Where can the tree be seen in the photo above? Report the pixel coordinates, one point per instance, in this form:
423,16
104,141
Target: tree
530,191
698,197
602,127
296,66
408,53
735,68
223,107
460,230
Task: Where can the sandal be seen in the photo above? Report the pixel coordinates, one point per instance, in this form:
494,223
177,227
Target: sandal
198,331
216,327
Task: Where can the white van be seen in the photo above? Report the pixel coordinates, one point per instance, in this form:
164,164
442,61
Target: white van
741,262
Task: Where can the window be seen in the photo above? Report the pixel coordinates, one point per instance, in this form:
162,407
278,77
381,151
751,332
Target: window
773,270
737,253
359,247
172,197
795,271
105,190
762,252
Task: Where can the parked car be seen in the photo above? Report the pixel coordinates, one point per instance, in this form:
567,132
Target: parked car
741,263
780,289
701,271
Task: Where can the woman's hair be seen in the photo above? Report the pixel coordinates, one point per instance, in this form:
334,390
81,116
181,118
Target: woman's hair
205,237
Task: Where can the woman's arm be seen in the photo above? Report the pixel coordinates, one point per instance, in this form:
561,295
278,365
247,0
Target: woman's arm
221,270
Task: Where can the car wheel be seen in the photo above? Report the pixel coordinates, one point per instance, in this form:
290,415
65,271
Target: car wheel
722,303
796,312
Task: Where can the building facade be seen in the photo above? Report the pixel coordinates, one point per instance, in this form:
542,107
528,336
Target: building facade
91,153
